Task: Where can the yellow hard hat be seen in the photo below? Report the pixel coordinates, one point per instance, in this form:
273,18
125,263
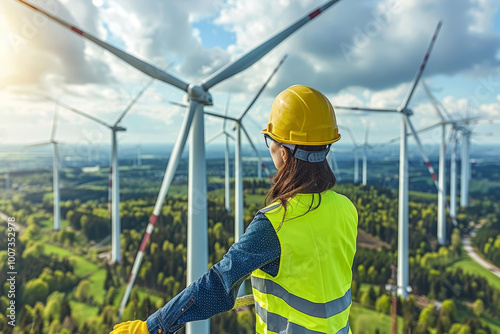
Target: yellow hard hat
302,115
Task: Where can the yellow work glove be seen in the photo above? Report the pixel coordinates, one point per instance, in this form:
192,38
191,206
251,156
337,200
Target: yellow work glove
131,327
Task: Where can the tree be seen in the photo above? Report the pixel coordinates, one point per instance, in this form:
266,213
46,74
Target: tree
478,307
365,299
459,329
383,304
456,241
35,290
83,291
427,319
52,309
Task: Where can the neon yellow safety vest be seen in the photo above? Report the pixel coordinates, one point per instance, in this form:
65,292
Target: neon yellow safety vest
311,293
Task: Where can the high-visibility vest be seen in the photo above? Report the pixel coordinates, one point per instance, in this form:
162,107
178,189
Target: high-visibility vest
311,293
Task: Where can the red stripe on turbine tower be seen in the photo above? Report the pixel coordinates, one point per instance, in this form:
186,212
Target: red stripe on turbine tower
315,13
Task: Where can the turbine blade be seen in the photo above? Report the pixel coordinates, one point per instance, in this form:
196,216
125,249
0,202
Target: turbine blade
409,134
131,60
367,131
260,51
335,166
365,109
54,124
433,101
81,113
263,87
229,135
226,112
173,163
178,104
351,135
259,157
214,137
133,102
406,101
422,151
39,144
220,116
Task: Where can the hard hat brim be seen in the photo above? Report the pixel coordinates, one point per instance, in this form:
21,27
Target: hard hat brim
298,142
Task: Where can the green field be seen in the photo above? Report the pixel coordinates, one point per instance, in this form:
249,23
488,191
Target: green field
365,321
49,224
83,269
82,311
471,267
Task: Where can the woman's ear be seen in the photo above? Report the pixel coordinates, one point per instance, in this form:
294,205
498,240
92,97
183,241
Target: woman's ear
285,154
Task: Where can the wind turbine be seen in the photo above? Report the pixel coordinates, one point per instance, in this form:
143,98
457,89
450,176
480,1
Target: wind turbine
457,125
355,151
55,170
227,176
114,180
403,237
359,148
199,97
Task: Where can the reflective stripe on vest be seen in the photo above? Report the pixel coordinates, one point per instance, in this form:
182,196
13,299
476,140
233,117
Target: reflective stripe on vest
278,324
319,310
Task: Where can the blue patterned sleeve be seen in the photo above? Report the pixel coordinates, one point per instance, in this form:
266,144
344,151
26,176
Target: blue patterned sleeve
216,290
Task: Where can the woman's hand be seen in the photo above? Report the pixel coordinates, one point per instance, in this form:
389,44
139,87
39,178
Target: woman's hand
131,327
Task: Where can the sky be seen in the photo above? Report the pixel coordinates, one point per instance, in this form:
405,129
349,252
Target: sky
358,53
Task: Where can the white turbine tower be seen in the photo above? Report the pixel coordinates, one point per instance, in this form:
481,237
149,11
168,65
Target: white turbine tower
55,171
114,180
465,167
403,237
359,148
199,96
227,176
453,176
363,148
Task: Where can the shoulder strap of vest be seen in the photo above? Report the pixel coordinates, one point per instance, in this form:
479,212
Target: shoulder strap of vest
270,207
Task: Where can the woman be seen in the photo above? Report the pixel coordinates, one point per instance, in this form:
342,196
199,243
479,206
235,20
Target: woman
298,250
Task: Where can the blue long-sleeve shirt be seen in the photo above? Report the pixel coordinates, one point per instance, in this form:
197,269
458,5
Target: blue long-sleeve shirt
216,290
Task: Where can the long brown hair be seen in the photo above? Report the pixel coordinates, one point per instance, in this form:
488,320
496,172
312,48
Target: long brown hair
298,176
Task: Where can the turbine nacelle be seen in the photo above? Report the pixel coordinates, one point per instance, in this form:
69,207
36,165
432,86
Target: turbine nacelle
406,111
199,94
119,128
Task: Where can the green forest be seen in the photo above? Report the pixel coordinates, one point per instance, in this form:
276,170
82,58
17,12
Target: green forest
64,284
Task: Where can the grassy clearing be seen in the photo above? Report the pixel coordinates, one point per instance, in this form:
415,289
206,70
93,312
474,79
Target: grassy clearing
83,269
471,267
49,224
365,321
464,313
82,311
